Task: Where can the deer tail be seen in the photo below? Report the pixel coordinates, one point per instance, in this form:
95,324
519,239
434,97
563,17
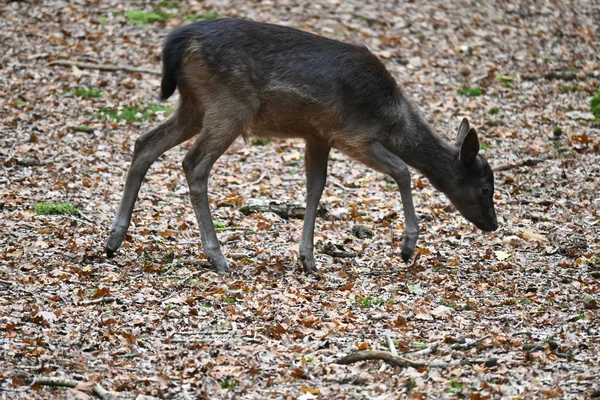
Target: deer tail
172,58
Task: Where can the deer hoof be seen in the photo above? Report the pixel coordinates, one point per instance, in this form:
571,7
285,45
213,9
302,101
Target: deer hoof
220,264
308,263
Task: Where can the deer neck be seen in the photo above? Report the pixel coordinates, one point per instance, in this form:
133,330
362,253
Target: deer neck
418,145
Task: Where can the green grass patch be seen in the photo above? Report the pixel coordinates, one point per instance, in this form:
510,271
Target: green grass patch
202,17
367,302
82,128
483,146
228,384
138,17
494,111
470,91
504,79
595,105
557,132
494,122
103,19
56,209
259,141
133,113
571,89
219,225
168,4
228,300
84,93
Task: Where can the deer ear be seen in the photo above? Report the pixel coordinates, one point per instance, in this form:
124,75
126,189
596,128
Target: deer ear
463,129
469,147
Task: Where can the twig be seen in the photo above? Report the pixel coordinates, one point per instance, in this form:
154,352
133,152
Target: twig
64,382
260,178
336,183
391,345
98,301
431,349
405,362
103,67
28,162
467,346
524,163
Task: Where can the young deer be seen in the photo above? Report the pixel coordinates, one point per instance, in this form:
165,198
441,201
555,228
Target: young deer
238,77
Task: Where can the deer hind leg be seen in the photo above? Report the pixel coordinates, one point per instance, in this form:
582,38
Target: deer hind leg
218,133
148,147
316,155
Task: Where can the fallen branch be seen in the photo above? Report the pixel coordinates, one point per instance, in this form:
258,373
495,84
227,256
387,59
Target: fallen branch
103,67
99,300
27,162
405,362
333,250
524,163
64,382
283,209
467,346
568,75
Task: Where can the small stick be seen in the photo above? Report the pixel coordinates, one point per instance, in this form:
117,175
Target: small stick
432,348
391,346
405,362
103,67
98,301
64,382
524,163
467,346
260,178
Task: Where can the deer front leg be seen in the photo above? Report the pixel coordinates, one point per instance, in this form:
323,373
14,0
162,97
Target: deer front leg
148,147
315,159
381,159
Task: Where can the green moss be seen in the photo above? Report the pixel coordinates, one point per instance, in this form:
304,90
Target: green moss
259,141
470,91
168,4
493,110
200,17
571,89
595,105
219,225
87,93
56,209
557,131
138,17
504,78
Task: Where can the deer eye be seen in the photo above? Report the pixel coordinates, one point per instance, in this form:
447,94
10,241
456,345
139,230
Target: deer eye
486,190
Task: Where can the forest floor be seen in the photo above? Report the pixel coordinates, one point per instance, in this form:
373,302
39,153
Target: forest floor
512,314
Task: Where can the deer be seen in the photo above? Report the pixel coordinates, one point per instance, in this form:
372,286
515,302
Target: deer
244,78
